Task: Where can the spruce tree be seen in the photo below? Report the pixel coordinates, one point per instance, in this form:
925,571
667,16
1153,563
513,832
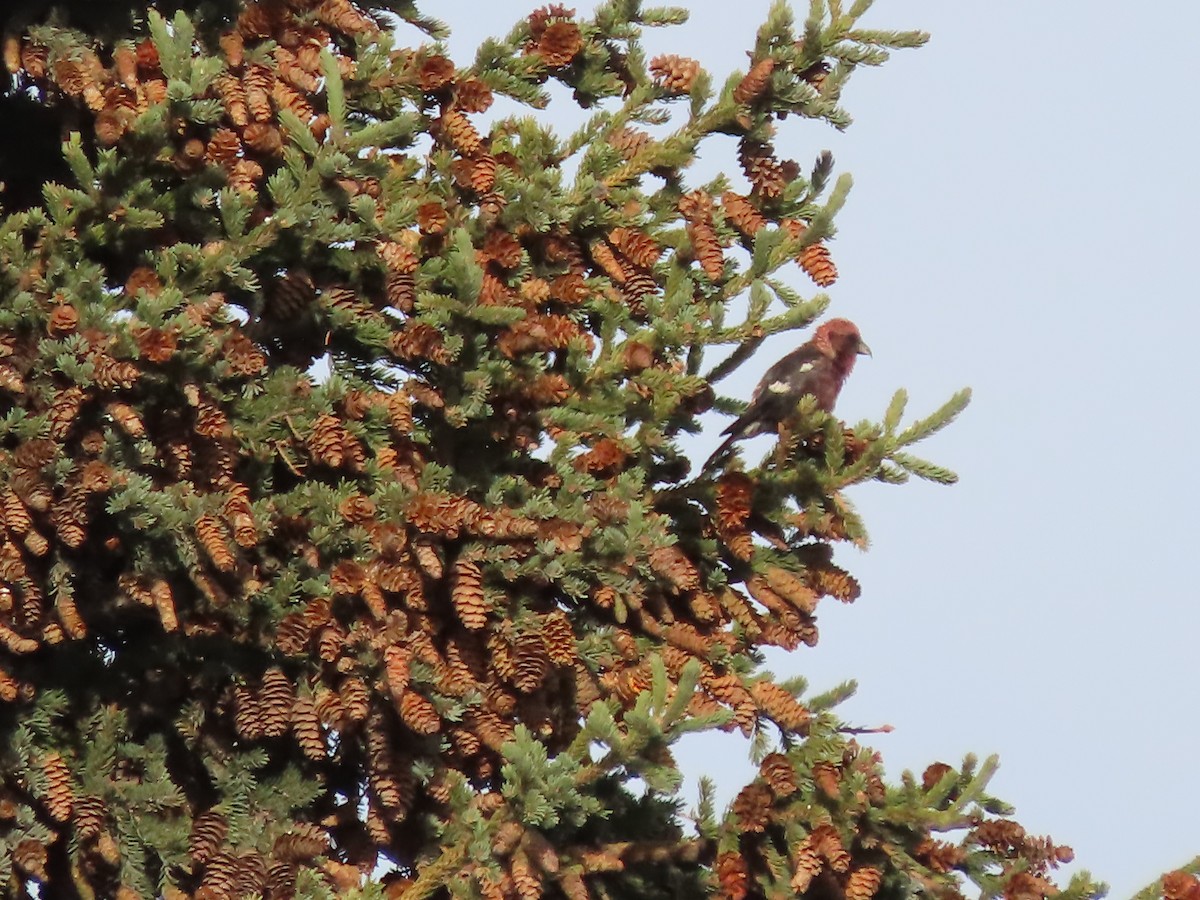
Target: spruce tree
350,542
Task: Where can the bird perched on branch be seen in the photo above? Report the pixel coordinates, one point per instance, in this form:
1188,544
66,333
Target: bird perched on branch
818,367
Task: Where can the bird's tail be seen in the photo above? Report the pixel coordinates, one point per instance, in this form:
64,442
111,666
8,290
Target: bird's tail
720,452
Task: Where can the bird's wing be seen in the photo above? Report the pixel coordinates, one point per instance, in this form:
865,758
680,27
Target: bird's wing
784,375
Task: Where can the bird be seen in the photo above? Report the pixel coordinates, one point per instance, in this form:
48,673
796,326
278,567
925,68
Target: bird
818,367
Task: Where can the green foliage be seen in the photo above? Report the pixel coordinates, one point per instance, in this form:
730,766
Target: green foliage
348,524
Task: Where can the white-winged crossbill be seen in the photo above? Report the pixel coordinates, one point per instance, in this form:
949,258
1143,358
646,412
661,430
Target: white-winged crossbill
818,367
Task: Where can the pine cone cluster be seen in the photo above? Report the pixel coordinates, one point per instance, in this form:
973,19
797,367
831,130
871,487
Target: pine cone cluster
297,622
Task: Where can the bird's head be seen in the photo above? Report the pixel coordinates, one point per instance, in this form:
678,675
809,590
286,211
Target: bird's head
839,338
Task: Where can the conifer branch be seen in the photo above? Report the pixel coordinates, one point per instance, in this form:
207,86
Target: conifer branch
344,495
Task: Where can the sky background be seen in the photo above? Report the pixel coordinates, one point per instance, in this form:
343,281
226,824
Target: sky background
1023,222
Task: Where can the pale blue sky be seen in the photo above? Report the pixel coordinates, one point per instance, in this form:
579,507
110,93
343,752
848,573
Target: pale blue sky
1023,222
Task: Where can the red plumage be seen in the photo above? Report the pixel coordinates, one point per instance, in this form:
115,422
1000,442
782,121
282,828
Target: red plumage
818,367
